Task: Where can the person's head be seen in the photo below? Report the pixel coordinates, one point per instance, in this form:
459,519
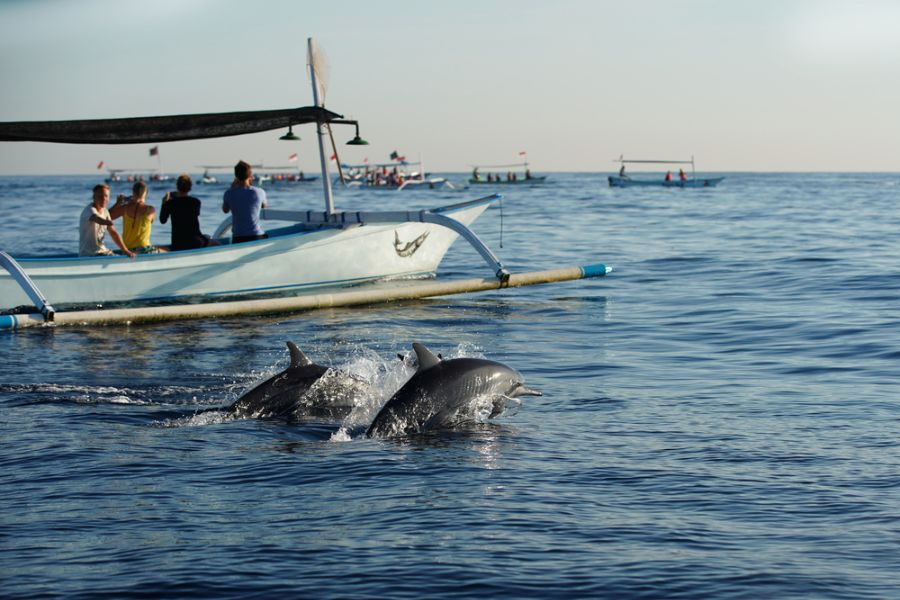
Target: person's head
139,190
242,171
101,195
184,183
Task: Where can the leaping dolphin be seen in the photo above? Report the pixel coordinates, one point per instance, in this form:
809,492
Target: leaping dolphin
445,393
304,390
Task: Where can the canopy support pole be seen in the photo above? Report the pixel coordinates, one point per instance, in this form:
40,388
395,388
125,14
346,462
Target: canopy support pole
320,128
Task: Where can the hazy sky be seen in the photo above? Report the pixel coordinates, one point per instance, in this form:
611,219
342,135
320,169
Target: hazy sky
782,85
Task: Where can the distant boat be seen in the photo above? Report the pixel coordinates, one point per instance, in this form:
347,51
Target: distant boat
508,178
286,174
118,176
680,181
399,175
207,178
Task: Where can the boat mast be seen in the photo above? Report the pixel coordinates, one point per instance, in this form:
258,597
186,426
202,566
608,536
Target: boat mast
320,128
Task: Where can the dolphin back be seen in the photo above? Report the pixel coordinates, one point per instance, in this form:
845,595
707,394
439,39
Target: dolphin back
443,394
300,391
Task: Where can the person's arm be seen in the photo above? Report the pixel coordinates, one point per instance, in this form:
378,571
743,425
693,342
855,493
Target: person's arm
118,240
165,210
118,209
225,207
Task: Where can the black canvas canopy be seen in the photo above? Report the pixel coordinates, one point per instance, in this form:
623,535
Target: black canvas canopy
143,130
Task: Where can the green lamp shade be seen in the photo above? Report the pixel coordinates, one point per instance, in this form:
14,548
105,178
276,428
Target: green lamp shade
290,136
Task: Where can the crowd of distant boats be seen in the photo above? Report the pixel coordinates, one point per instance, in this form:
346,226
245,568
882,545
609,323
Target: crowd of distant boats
402,174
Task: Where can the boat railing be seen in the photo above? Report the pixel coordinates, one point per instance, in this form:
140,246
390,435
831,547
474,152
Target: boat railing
27,285
342,219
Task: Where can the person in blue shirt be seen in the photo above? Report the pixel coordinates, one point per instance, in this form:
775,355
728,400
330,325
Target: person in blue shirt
244,201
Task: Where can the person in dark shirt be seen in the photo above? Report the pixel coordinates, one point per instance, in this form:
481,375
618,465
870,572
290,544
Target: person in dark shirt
185,213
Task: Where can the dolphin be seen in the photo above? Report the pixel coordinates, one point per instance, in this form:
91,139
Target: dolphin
445,393
303,391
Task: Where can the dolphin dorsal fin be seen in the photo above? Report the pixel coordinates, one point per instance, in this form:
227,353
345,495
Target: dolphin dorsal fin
426,357
298,359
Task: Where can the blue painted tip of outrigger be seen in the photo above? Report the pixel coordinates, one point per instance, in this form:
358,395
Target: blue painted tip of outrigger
8,322
597,270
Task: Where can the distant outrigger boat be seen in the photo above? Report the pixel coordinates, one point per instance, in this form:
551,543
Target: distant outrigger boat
207,178
510,178
623,180
285,174
319,259
400,175
115,175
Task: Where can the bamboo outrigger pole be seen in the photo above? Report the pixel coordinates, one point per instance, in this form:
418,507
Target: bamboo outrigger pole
407,291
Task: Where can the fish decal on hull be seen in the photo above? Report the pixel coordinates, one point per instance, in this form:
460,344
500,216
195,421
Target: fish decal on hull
409,248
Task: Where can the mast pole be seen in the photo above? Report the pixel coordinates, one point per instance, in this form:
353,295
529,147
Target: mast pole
320,129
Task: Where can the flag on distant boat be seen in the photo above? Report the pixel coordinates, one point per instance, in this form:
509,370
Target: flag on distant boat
292,157
154,150
100,165
522,153
334,157
397,157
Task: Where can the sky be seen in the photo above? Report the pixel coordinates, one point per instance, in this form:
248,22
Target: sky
761,85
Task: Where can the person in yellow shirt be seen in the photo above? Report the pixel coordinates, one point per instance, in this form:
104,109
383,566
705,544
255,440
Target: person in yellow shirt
137,219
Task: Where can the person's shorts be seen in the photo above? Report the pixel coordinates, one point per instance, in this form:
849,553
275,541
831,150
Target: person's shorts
238,239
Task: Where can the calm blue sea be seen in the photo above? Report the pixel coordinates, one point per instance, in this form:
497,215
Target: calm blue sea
721,414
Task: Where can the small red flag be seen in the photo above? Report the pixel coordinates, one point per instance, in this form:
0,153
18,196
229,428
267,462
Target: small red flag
154,150
292,157
522,153
100,165
333,156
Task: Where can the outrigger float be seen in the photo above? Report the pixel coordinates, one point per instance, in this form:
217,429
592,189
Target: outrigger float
320,259
622,180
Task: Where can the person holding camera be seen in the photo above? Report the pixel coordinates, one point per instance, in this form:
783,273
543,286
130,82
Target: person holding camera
244,201
137,219
185,212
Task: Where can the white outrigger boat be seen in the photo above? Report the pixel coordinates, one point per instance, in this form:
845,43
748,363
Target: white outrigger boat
319,259
397,176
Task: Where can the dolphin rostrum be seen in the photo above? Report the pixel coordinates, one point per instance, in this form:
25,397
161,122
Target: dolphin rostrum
445,393
304,390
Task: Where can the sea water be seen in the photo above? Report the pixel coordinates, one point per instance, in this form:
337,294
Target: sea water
721,414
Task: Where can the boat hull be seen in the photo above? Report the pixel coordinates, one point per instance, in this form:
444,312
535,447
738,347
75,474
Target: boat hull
699,182
529,181
292,259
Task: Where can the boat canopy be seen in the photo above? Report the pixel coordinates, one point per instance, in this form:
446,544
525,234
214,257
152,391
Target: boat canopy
662,162
402,163
142,130
521,164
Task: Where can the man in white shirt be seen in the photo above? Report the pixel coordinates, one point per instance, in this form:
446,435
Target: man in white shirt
94,224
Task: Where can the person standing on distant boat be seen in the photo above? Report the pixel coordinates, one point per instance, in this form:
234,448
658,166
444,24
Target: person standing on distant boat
668,175
622,172
137,220
95,222
682,176
244,201
185,213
